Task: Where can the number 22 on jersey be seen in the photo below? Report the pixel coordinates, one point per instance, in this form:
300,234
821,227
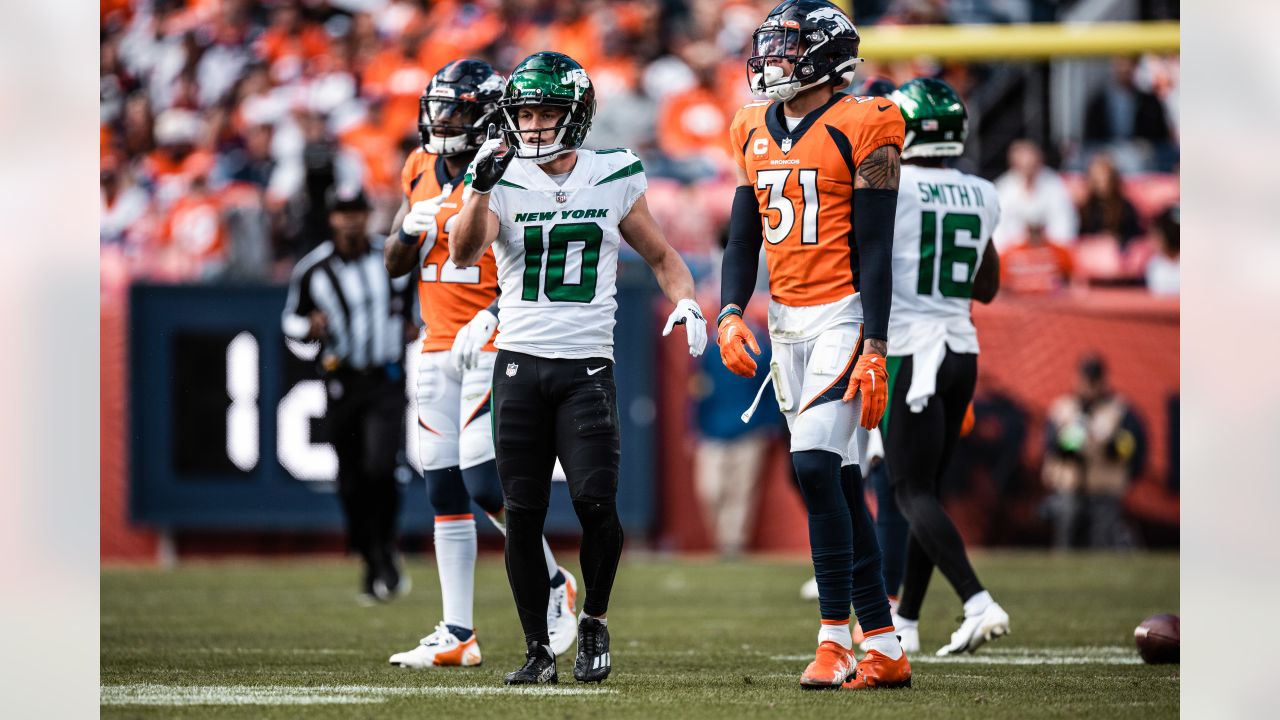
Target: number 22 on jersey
450,273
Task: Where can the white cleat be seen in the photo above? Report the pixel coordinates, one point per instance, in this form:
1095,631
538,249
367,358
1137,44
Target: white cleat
977,630
809,590
562,618
441,649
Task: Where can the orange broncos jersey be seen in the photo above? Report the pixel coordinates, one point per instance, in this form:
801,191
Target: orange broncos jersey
804,185
449,296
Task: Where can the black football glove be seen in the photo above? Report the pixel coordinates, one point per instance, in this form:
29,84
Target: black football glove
487,166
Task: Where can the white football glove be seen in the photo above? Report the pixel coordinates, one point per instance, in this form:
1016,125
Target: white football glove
471,339
422,216
688,314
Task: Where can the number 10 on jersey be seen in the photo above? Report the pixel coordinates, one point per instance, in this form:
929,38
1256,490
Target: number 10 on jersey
584,238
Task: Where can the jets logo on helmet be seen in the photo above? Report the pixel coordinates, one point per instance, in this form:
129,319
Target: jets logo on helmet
814,37
457,106
937,123
541,80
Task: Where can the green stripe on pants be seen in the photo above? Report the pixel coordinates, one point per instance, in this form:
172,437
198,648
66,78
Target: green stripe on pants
893,365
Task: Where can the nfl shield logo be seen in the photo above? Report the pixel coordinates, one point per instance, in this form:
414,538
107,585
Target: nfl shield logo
511,369
562,196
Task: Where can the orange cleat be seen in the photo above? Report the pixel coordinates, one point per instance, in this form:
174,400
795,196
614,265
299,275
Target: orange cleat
876,671
829,669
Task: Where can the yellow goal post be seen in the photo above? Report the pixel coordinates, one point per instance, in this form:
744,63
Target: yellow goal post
1034,41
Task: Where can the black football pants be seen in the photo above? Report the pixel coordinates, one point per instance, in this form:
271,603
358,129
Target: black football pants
364,422
544,408
918,447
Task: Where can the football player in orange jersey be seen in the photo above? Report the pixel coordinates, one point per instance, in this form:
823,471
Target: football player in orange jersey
455,438
818,186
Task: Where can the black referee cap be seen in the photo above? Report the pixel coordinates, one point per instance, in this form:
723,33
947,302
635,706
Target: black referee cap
340,199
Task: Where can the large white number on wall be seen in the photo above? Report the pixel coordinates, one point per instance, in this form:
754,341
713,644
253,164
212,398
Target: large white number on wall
242,388
299,456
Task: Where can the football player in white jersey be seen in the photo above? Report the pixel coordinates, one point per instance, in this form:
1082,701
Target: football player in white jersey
555,216
451,404
943,258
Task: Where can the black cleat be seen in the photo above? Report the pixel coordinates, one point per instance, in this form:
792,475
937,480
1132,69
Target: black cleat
539,667
592,664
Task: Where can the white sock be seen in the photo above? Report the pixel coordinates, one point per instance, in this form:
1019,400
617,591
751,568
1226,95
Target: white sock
552,568
901,622
583,614
978,604
885,643
838,633
456,563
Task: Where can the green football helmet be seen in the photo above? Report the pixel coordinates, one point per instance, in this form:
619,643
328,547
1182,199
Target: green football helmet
937,123
548,78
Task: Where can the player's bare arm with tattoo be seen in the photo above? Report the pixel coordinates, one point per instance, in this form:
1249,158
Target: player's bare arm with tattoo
875,201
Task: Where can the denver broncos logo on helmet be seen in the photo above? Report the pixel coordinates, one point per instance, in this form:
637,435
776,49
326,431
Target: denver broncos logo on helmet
831,20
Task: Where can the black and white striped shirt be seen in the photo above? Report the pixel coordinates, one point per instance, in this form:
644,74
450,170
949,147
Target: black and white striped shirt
366,310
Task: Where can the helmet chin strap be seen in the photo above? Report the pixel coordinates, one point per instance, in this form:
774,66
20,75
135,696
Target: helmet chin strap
774,84
544,159
448,145
534,152
774,88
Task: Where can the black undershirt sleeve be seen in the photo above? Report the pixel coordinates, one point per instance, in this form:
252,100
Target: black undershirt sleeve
874,212
742,253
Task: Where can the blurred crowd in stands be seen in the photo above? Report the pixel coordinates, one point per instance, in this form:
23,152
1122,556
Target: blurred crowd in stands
224,122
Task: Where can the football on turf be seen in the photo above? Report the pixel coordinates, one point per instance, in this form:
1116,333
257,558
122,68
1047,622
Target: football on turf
1157,639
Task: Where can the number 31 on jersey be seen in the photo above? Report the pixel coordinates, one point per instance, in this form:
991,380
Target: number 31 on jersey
775,181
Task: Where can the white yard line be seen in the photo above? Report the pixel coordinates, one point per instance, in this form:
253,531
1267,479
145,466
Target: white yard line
179,695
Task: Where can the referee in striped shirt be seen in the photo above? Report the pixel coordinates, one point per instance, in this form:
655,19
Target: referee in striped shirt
340,295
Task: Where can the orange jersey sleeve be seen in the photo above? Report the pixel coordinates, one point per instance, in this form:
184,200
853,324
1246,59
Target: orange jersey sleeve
873,122
449,296
414,166
747,121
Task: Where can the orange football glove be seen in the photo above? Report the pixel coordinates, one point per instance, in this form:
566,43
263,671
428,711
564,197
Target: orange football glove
734,339
966,425
871,378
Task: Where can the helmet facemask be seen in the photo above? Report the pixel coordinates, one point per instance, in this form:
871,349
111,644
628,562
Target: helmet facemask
913,148
542,152
768,78
450,126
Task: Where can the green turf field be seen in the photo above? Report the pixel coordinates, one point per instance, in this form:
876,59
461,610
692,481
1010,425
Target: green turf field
691,639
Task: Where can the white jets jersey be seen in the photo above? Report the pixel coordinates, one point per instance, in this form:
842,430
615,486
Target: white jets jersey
557,253
945,220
